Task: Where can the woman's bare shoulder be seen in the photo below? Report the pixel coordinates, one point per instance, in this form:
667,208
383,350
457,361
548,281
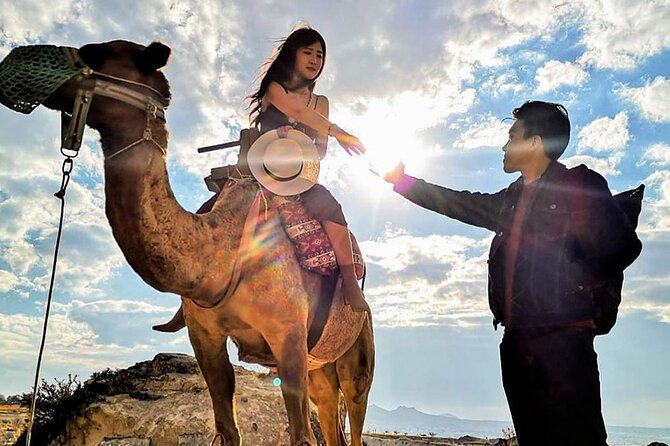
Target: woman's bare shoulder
275,87
322,98
322,104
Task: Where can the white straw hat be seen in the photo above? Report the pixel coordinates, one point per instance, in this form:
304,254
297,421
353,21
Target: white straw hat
284,166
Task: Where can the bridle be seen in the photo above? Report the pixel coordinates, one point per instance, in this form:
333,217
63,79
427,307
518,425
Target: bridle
90,83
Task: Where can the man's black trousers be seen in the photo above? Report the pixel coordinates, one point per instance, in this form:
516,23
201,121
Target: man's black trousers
551,380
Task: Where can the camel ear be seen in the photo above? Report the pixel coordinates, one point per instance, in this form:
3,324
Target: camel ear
94,54
153,57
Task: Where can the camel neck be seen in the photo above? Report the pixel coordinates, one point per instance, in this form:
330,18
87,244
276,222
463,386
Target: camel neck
172,249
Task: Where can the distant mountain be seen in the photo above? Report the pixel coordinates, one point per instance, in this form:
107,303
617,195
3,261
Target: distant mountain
412,421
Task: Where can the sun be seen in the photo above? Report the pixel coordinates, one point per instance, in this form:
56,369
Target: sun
391,130
385,148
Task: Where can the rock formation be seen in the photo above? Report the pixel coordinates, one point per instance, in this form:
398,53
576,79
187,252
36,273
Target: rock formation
13,421
164,402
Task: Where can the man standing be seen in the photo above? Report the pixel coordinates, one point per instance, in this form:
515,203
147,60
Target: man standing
559,235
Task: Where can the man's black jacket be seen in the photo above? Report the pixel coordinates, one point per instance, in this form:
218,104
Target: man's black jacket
573,238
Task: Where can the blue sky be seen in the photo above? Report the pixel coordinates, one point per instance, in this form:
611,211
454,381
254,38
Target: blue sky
428,82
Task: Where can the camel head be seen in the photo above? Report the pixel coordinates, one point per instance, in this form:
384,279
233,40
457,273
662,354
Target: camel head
118,59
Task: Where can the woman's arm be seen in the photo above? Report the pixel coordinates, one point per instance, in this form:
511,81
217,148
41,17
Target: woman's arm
294,106
322,107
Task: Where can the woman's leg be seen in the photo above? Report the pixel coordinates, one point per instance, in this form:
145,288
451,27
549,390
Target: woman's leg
339,238
322,206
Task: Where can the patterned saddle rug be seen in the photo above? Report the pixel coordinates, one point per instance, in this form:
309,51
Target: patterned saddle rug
312,245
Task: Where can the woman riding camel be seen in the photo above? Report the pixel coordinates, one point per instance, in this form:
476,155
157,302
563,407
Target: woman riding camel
286,100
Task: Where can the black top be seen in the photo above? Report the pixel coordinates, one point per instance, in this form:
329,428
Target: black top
273,118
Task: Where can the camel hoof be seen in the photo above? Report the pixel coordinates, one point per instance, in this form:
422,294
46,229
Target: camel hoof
214,441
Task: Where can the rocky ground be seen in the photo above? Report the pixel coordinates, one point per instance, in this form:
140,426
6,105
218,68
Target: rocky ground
164,402
13,421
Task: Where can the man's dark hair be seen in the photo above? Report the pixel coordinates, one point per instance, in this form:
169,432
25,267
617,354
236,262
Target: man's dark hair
549,121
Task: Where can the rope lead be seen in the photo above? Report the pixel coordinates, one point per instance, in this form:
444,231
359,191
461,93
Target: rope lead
67,169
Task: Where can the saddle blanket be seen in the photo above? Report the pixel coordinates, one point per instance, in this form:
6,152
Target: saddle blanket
312,245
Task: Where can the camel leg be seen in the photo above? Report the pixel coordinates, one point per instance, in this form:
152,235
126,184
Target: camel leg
214,363
291,354
324,391
354,372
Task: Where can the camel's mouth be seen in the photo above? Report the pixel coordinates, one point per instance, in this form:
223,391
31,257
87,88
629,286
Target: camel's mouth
30,74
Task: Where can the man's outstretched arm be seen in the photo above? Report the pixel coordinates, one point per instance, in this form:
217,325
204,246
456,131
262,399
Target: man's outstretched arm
475,209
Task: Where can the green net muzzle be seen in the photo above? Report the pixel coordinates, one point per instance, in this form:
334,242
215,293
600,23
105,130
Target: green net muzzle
30,74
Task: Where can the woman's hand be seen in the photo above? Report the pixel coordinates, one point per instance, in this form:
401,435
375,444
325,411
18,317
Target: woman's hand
350,143
283,131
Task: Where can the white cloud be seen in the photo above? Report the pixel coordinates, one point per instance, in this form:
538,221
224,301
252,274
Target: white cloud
488,131
121,306
539,15
657,155
70,342
604,166
407,111
477,31
8,281
656,215
555,74
21,256
503,83
605,134
397,251
27,20
417,302
83,337
429,280
658,309
652,99
619,34
88,254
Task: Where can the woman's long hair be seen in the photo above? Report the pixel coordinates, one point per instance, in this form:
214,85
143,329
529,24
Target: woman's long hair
280,69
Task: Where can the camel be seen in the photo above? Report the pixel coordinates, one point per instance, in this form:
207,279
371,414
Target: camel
268,311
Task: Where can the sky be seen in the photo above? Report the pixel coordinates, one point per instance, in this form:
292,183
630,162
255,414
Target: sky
427,82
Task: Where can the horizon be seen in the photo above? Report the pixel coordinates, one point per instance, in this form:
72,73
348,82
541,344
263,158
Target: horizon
448,415
430,84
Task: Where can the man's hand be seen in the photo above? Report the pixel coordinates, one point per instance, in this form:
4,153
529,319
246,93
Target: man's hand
396,175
